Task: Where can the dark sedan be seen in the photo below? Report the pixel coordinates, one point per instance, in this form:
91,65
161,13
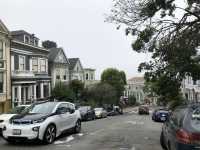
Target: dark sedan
181,131
160,115
87,113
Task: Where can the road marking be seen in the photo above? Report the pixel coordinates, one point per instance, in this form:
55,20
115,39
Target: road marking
80,134
70,138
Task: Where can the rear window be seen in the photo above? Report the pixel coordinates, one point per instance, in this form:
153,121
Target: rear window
192,121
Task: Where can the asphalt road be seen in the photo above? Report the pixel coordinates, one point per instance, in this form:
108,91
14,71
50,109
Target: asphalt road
126,132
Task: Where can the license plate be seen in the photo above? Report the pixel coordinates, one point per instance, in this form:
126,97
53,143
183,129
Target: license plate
16,132
163,118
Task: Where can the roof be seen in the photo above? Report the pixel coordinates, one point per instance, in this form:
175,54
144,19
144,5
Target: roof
53,53
20,32
136,79
72,63
3,27
90,69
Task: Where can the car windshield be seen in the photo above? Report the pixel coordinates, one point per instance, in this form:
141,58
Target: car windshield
43,108
17,110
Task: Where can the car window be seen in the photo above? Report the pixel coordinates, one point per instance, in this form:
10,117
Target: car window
177,116
43,108
193,119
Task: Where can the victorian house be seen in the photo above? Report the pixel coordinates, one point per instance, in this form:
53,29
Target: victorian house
76,69
58,66
29,69
5,79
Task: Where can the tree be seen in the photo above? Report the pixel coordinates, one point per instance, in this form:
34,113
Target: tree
115,78
77,87
63,92
169,29
49,44
103,93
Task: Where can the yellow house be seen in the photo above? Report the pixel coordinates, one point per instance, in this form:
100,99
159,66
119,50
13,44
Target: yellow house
5,74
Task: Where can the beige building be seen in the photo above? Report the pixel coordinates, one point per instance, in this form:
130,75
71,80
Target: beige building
135,87
5,78
89,75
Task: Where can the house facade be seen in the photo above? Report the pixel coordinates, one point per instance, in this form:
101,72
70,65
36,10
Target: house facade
191,89
135,87
5,78
58,66
76,69
29,69
89,75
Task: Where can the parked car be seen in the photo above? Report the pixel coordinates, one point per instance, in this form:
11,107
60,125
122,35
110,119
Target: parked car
44,121
87,113
160,115
4,118
181,131
143,109
100,113
116,110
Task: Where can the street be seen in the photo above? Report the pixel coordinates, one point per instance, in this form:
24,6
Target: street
126,132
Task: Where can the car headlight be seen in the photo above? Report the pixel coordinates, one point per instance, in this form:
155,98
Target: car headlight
39,120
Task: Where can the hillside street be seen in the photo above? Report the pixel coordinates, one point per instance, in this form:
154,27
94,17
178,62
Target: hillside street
126,132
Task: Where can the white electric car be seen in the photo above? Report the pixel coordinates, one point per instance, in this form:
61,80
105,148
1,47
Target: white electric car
43,121
4,118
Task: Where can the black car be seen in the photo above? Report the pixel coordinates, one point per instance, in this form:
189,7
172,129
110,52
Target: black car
87,113
181,131
160,115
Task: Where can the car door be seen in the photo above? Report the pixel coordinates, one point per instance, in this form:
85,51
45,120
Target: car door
73,115
64,117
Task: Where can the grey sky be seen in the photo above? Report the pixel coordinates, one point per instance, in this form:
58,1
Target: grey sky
78,26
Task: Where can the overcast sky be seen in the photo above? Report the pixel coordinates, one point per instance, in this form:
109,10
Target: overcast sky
78,26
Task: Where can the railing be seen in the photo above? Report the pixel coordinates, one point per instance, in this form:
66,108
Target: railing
22,73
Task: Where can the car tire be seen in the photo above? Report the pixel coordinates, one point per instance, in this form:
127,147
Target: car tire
50,134
77,128
162,141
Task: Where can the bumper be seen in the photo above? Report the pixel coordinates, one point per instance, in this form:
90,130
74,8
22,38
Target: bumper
1,127
98,115
26,132
180,146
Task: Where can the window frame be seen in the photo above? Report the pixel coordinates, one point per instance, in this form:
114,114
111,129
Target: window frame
22,64
33,65
1,49
2,86
43,65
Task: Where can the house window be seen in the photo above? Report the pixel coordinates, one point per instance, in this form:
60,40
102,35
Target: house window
26,39
87,76
35,64
92,77
1,82
57,77
64,77
43,65
21,62
35,42
1,50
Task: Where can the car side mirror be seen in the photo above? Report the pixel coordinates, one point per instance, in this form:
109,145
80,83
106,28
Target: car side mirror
72,111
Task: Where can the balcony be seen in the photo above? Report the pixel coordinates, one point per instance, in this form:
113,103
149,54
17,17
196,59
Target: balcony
22,73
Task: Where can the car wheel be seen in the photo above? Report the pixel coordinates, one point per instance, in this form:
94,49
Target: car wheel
77,128
50,134
162,141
